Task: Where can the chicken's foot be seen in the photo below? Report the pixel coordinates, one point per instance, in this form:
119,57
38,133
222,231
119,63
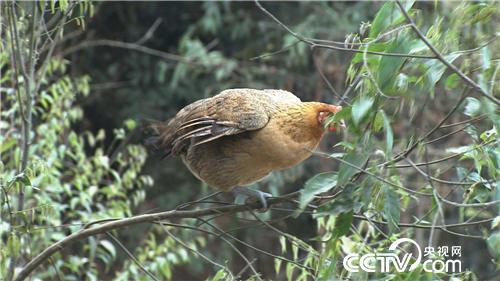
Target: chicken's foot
253,194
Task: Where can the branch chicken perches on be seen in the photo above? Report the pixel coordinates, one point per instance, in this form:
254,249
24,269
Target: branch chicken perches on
241,135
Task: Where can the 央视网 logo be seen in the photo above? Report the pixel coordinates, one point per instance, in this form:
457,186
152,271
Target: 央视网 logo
386,262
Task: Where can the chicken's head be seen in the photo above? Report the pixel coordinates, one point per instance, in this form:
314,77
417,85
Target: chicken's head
327,122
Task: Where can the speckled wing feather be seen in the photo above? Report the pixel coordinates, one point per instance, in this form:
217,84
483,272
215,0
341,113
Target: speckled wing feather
228,113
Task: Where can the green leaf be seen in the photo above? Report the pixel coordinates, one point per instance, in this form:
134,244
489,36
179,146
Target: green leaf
7,144
388,15
477,192
295,252
389,66
283,244
381,120
452,81
220,275
165,269
53,6
289,271
13,245
317,184
378,122
360,108
20,178
130,124
489,135
472,107
389,137
495,223
494,244
373,47
344,114
483,14
436,69
336,207
400,84
346,171
391,209
277,265
342,224
109,247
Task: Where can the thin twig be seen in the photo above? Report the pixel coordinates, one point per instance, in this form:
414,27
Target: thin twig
313,44
445,158
417,225
197,252
227,233
488,42
447,135
127,45
448,64
58,274
9,209
132,257
436,193
396,29
380,36
325,79
471,120
248,263
414,145
45,65
325,155
188,204
350,88
284,49
409,225
150,32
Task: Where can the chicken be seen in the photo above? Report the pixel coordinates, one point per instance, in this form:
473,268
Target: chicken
239,136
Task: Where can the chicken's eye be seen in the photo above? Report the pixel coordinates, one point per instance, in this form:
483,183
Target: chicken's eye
322,116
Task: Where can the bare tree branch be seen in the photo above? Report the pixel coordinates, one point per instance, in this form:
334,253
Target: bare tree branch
145,218
127,45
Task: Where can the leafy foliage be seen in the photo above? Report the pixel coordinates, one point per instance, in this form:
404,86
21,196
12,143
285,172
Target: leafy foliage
71,178
421,146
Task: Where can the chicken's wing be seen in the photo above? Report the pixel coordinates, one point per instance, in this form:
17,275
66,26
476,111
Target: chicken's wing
231,112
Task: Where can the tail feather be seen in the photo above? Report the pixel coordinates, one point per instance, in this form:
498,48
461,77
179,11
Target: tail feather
152,131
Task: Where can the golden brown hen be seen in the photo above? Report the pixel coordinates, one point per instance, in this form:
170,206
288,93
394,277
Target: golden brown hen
240,135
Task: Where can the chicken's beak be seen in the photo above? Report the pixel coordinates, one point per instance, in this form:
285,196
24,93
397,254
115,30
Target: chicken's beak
335,108
334,126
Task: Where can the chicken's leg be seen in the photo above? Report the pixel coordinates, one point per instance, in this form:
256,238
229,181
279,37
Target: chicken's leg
253,194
